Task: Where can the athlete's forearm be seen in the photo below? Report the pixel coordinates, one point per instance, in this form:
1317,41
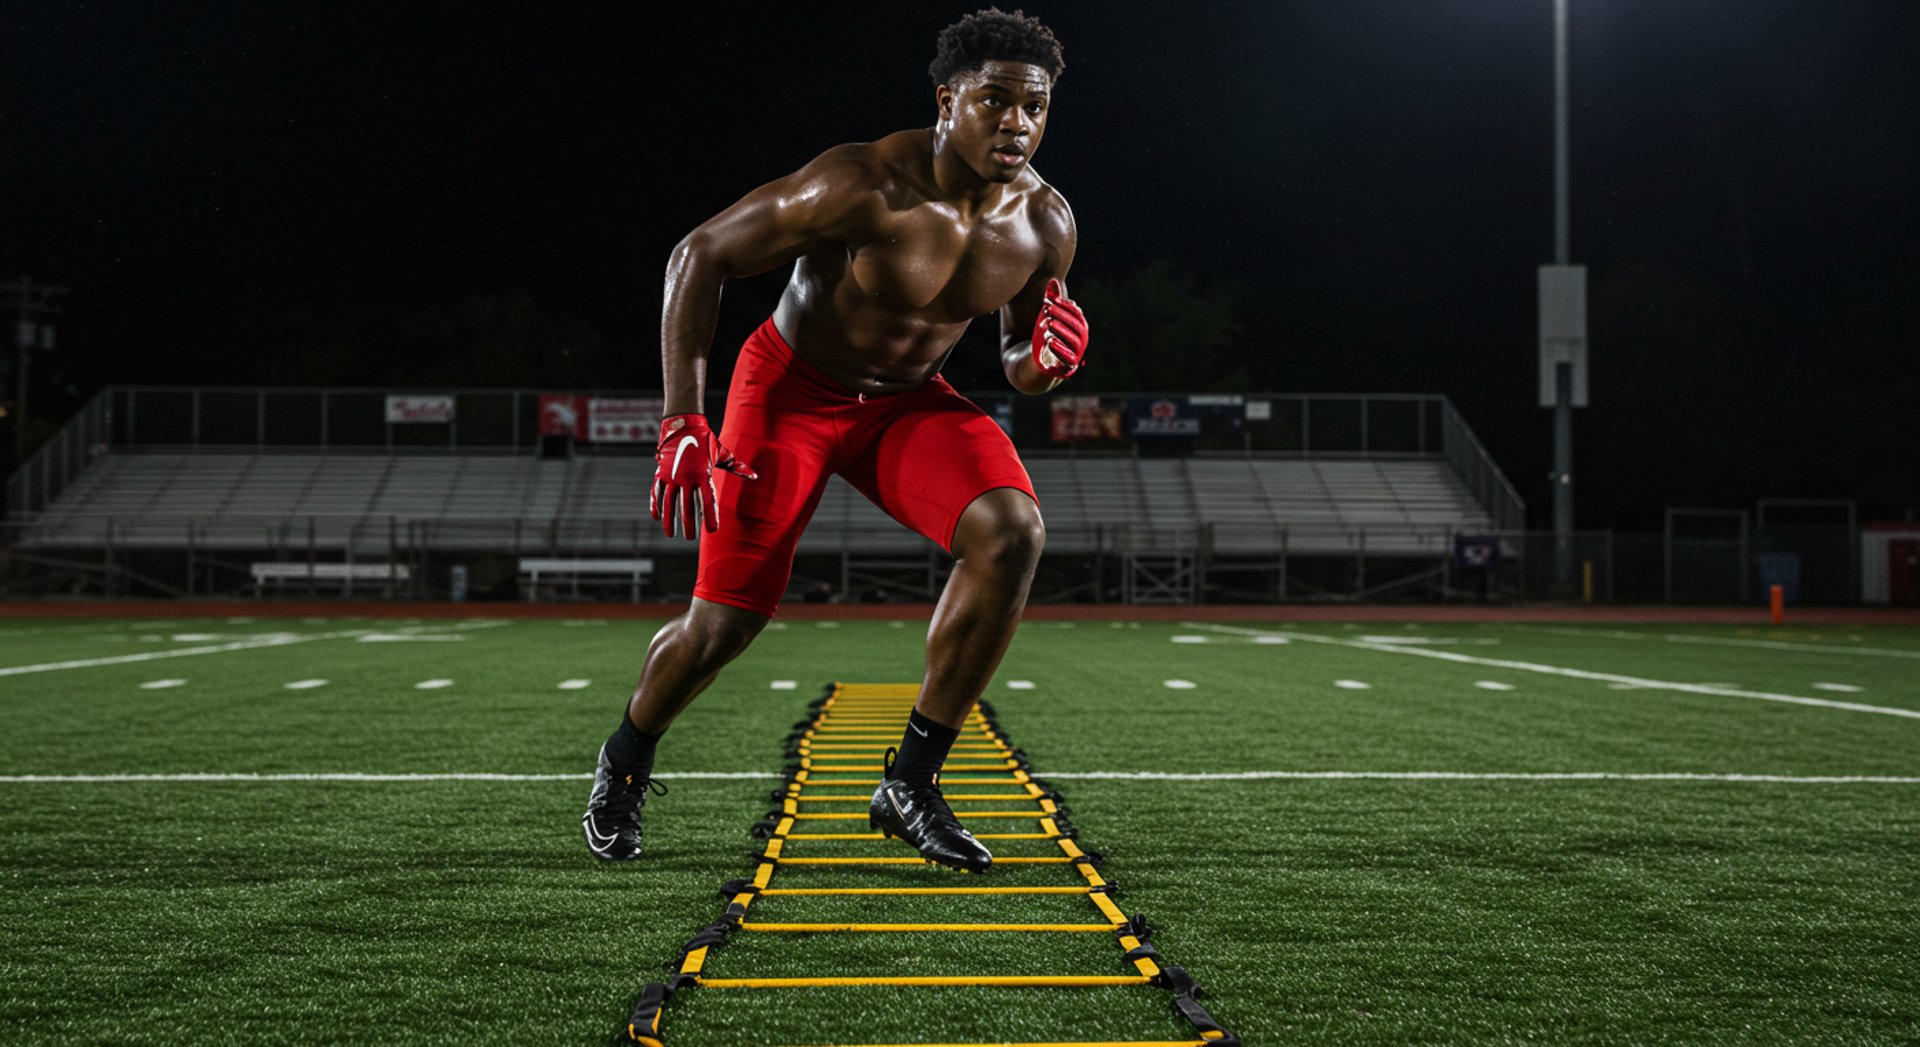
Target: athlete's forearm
689,310
1022,373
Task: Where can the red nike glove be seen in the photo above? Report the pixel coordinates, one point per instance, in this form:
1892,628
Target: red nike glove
1059,334
683,476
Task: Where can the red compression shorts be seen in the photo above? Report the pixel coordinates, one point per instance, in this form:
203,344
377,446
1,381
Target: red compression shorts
921,456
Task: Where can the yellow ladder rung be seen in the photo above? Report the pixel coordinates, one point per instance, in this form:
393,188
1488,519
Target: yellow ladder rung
970,814
870,748
806,764
916,860
878,836
1063,1043
1011,981
825,891
826,928
951,797
944,781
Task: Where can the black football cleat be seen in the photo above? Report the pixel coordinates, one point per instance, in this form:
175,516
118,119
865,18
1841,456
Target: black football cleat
612,821
920,816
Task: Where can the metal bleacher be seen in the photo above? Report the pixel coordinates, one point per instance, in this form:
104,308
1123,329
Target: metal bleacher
1246,505
143,481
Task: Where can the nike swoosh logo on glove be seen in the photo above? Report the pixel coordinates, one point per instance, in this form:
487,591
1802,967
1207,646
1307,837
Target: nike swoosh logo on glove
684,441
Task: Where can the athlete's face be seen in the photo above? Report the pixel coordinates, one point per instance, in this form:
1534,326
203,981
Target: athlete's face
993,118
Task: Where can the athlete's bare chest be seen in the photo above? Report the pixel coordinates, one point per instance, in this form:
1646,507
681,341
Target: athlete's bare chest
929,260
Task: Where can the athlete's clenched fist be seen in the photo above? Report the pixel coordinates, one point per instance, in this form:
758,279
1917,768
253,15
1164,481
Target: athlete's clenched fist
683,475
1059,334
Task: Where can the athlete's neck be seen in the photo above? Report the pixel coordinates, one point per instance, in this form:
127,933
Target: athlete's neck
958,183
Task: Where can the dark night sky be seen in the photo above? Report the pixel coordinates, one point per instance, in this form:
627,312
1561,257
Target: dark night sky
273,193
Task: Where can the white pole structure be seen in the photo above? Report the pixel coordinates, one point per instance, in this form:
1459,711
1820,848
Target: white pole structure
1563,324
1562,243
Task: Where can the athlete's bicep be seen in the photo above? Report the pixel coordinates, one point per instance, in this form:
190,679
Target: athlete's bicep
1017,316
786,218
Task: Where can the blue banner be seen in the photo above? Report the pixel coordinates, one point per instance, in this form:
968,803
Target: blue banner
1475,551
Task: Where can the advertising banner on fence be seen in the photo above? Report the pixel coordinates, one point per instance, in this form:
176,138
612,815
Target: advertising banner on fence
1161,416
623,420
1185,415
561,415
1077,418
419,409
1471,551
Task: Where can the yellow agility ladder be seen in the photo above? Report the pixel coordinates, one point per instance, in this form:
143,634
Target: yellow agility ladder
845,734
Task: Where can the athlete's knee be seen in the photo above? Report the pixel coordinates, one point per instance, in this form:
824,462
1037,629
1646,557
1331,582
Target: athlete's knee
1002,528
716,632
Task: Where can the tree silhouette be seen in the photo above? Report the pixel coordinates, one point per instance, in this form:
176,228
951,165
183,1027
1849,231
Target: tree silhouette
1156,328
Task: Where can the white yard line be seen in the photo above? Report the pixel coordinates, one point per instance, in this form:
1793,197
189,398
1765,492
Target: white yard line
1555,670
1135,776
352,776
182,652
1728,641
271,640
1482,776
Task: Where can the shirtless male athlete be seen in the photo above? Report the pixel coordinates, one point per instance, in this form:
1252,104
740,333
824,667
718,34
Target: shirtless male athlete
898,244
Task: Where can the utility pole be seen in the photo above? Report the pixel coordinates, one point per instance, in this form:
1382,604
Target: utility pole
1563,324
30,300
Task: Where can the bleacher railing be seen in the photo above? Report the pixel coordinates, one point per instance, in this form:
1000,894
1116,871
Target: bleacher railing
507,421
47,472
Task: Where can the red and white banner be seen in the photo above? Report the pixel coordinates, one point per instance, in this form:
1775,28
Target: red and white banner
623,420
562,415
1077,418
419,409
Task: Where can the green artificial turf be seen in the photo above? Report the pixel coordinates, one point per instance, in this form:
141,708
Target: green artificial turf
1316,909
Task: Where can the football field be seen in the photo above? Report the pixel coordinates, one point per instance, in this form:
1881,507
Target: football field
241,830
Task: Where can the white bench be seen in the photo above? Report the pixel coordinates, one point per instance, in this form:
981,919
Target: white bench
278,573
556,572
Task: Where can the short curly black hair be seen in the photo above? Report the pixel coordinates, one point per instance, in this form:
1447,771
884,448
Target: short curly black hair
995,35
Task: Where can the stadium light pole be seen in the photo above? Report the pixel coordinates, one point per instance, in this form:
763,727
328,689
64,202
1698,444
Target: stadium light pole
30,299
1563,324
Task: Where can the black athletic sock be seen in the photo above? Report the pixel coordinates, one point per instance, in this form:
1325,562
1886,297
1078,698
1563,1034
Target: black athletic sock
923,748
630,749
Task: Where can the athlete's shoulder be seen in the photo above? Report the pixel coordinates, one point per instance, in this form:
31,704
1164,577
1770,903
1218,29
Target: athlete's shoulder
837,192
852,167
1048,209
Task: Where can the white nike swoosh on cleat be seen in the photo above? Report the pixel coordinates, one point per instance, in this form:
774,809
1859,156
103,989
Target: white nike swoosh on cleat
684,441
917,730
593,838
